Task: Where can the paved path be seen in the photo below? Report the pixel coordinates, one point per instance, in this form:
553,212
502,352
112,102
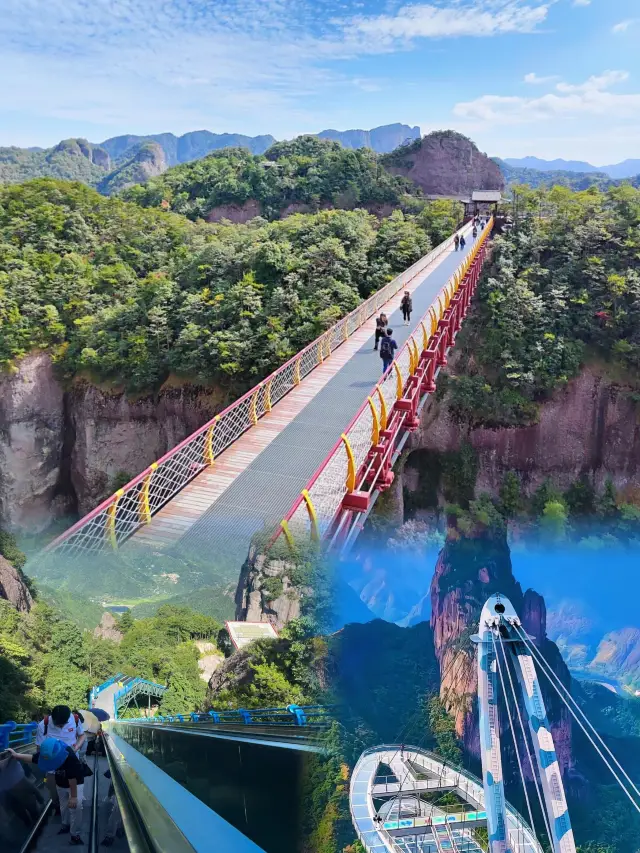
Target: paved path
50,842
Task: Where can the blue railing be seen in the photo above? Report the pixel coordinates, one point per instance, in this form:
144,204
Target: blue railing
100,687
133,688
16,734
306,715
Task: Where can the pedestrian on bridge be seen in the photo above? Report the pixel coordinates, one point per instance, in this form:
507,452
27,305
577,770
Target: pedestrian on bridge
381,328
463,242
64,726
456,241
56,757
387,348
475,232
407,307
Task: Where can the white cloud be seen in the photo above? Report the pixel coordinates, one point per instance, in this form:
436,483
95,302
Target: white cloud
534,80
623,26
596,83
581,2
464,18
590,98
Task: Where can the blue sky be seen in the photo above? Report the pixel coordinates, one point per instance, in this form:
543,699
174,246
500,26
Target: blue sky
554,78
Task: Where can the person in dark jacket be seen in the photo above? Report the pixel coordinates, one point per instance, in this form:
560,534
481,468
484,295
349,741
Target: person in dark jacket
55,756
463,242
407,307
475,231
381,328
456,242
387,348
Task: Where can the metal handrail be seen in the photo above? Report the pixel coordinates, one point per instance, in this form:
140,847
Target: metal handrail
174,819
14,734
131,507
311,716
458,770
312,513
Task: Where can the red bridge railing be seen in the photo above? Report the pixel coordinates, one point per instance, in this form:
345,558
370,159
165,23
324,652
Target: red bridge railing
332,506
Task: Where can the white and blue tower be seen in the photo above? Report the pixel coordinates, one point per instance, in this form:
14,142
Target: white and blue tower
500,626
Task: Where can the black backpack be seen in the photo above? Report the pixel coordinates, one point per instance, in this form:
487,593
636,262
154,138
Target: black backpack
386,350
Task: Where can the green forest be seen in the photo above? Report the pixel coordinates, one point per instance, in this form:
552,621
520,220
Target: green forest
562,288
305,171
129,296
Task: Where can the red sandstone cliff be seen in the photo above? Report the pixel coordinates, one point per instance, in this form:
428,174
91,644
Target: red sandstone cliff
446,163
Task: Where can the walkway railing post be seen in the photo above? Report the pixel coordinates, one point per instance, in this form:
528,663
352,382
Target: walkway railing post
112,514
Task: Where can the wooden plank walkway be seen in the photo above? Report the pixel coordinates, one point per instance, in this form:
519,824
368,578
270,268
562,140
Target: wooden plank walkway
178,516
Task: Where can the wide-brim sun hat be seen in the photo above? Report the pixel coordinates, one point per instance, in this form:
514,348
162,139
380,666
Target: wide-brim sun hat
53,753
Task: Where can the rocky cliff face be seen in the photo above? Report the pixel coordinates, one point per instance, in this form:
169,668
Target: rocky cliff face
60,449
31,443
13,588
469,570
589,427
265,591
448,164
107,629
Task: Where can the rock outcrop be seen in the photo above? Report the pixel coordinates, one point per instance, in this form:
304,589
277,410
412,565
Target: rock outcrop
265,590
13,588
445,163
107,629
31,444
470,570
61,448
210,659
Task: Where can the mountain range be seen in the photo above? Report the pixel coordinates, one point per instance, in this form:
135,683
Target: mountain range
121,161
625,169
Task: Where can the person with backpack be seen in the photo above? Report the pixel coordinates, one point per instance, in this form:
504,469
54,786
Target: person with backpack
55,756
64,726
475,232
387,348
381,328
407,307
456,241
463,242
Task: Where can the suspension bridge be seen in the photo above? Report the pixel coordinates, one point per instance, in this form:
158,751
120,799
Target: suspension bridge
401,796
304,454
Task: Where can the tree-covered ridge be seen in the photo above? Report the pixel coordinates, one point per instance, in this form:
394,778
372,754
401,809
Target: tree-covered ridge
562,286
46,659
71,159
306,171
129,295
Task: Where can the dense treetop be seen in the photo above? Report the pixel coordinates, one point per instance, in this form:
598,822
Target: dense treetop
563,286
129,295
306,170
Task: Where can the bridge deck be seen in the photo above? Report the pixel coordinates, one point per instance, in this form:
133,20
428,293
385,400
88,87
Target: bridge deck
256,480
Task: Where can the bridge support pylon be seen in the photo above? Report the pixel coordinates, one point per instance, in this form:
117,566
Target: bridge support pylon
500,645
